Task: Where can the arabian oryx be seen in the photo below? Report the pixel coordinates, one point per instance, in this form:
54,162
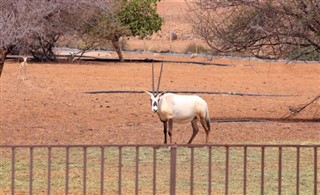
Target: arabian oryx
180,109
23,69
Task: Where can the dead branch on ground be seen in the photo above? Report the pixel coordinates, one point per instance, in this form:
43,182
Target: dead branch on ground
296,110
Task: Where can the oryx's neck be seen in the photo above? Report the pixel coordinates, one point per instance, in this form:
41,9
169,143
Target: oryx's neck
164,103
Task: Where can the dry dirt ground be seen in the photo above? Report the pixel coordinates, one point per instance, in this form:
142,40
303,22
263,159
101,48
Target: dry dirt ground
52,106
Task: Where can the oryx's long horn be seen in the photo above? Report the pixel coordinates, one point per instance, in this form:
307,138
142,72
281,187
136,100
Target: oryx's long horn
159,78
152,78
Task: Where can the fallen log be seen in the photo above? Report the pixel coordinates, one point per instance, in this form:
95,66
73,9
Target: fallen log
192,92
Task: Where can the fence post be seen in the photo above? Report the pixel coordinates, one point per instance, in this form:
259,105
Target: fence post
192,171
210,170
67,170
315,170
173,165
49,171
102,170
84,170
280,171
137,170
245,157
31,171
227,171
262,169
154,171
298,171
120,170
13,160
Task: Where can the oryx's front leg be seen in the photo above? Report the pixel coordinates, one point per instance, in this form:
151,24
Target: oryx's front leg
170,121
165,124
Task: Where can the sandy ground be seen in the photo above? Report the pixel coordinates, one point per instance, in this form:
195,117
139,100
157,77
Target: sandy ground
52,106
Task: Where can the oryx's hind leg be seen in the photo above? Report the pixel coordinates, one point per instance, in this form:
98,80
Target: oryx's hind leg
195,130
206,125
165,125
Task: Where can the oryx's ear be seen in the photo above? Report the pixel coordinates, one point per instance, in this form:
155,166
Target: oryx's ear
161,94
148,93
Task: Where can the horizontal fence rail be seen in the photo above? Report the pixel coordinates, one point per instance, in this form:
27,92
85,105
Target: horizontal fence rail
159,169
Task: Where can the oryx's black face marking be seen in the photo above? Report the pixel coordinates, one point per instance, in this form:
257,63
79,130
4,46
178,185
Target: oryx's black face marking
155,102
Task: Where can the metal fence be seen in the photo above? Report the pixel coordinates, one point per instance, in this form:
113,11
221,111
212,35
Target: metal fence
159,169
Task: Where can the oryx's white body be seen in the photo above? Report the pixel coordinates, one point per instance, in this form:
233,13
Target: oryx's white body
180,109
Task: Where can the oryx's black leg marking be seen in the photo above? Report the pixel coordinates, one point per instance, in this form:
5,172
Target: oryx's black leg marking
206,125
195,130
165,124
170,129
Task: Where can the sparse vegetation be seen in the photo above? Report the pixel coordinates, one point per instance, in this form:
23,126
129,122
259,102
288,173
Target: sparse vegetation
264,29
196,48
304,54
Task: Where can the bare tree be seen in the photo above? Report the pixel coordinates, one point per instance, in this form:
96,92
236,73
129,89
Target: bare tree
264,29
261,28
33,25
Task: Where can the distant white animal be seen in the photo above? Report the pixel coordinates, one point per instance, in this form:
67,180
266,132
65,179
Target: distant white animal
23,69
179,109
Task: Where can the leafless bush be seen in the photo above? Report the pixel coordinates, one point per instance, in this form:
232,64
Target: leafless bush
35,25
264,29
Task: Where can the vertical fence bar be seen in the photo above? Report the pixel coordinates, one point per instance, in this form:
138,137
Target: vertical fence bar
31,171
210,173
280,171
315,170
191,171
154,170
245,170
173,166
102,171
67,169
298,171
120,170
227,170
137,170
49,171
262,169
13,169
84,170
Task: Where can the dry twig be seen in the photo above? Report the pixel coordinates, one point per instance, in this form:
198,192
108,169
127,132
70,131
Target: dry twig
296,110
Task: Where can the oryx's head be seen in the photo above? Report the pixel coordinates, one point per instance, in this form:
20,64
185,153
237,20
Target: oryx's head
24,58
155,95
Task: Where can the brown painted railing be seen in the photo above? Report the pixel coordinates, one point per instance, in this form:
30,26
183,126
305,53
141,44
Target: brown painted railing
9,152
